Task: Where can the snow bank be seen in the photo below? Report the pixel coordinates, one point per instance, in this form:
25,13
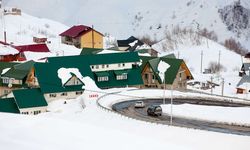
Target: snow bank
230,115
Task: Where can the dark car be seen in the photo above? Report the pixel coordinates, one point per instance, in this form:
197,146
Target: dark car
154,110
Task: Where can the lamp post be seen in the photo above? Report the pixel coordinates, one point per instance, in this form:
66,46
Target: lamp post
171,113
164,102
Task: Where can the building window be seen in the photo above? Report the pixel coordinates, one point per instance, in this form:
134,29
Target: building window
22,55
25,113
6,80
37,112
64,94
153,79
107,66
78,92
97,67
77,82
92,67
52,95
122,77
123,65
119,65
103,79
103,66
6,92
146,76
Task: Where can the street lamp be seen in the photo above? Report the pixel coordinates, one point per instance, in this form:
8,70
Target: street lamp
171,113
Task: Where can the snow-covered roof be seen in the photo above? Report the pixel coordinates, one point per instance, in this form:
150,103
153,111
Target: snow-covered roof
39,36
7,50
66,73
37,56
133,43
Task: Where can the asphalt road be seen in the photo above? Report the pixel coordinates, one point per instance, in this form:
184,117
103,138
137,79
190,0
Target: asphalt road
127,109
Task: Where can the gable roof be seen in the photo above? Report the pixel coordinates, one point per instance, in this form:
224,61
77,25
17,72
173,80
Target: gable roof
50,82
127,42
8,105
19,71
245,66
27,98
244,79
144,60
4,65
171,72
90,51
33,48
77,31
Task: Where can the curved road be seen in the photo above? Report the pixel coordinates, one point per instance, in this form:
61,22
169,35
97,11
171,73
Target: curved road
127,108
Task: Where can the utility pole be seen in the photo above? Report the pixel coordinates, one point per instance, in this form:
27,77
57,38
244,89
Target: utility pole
164,91
171,114
201,60
219,61
222,86
93,44
211,85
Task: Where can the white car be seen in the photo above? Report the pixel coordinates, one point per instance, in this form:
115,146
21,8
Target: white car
139,104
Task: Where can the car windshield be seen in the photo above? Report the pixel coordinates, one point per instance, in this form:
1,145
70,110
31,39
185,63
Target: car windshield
158,108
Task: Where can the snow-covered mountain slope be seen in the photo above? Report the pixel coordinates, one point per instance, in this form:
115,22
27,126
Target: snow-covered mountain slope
125,18
21,29
199,53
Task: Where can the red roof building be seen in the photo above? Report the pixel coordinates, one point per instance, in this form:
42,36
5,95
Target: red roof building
82,36
33,48
76,31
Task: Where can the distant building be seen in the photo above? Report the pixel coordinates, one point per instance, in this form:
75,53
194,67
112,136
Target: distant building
82,36
132,44
9,52
12,11
39,39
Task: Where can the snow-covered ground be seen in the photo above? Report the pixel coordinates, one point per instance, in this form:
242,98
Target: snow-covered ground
78,125
229,115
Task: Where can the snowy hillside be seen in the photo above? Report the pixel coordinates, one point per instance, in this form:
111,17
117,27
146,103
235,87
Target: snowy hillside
122,18
21,29
199,53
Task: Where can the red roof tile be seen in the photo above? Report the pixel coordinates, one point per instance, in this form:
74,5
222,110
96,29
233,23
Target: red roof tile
33,48
76,31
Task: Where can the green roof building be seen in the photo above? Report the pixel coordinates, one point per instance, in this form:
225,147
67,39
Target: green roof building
176,75
8,105
25,101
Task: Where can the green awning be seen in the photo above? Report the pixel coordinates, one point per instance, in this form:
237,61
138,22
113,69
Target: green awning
120,72
102,74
